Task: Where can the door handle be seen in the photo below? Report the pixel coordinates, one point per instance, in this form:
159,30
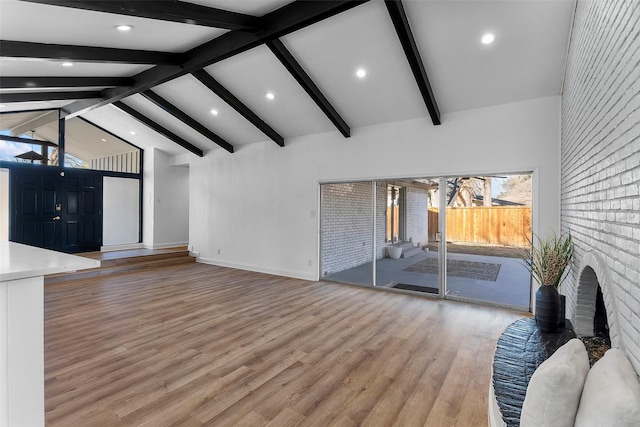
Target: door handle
56,218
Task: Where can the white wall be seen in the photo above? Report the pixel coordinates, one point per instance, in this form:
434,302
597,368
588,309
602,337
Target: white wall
166,201
121,204
258,206
4,204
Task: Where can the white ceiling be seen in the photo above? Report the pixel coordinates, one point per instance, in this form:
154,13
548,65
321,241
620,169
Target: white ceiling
526,61
331,52
32,22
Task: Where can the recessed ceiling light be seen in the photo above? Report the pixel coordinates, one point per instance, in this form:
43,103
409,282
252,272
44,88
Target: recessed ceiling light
103,140
488,38
132,132
123,28
361,73
270,96
214,112
67,64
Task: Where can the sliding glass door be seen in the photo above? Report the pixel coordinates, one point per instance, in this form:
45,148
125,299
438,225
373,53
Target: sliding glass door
457,237
377,233
407,263
487,224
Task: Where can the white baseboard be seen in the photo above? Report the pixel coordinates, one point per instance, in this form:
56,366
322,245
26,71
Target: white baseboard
259,269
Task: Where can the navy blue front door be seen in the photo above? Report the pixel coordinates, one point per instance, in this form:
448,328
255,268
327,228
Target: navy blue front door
56,209
34,196
81,213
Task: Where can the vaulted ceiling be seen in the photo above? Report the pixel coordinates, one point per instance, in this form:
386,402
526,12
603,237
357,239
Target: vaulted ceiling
183,60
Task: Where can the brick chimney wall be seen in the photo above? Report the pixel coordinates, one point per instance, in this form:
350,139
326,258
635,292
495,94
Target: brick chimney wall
600,165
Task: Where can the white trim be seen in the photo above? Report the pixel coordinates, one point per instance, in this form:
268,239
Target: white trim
165,245
4,351
259,269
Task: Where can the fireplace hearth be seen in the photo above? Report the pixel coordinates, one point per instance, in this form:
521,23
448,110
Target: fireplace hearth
600,322
595,309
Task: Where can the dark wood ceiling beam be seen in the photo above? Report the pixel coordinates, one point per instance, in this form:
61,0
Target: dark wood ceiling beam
186,119
27,140
401,24
285,20
213,85
64,52
159,128
301,76
49,82
174,11
48,96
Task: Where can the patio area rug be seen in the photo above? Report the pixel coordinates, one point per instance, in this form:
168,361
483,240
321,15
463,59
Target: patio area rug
457,268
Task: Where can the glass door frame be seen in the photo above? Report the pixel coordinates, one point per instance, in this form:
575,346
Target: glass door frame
442,237
375,245
375,224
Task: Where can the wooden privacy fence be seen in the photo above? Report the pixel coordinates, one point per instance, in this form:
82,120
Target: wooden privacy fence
495,225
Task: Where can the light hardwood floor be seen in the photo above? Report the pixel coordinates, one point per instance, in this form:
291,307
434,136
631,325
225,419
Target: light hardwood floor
201,345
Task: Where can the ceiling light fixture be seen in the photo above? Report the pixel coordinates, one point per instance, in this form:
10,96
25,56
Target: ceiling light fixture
132,132
67,64
270,96
103,140
361,73
123,28
214,112
488,38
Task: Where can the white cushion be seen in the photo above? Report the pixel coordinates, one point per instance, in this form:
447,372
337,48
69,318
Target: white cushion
553,393
611,395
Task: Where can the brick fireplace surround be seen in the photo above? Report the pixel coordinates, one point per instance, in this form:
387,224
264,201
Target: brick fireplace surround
600,169
593,274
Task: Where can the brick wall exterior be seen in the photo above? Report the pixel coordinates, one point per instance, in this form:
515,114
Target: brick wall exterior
417,222
381,218
346,225
600,166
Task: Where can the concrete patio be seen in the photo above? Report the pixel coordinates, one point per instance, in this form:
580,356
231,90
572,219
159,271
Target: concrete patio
511,288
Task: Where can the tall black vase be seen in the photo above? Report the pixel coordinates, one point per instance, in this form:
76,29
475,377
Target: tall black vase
547,308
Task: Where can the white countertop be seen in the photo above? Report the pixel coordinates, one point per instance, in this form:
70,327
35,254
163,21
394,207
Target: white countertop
19,261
